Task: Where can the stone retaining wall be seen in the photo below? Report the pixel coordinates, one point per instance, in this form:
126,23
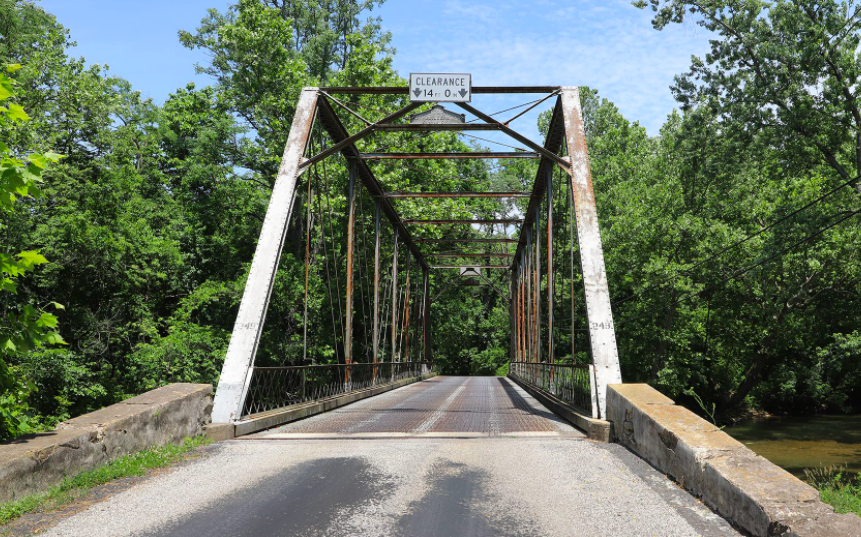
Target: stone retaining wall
751,492
33,463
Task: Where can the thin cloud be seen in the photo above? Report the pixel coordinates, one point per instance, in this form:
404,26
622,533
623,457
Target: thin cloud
609,46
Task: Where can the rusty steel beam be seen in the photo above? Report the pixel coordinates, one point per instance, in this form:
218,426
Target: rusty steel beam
348,109
467,239
512,323
530,335
394,301
338,132
517,194
443,222
351,240
351,140
405,325
443,156
404,90
537,290
429,127
426,326
376,339
521,309
550,349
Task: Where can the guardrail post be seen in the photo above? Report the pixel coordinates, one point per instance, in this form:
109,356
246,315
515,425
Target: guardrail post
351,235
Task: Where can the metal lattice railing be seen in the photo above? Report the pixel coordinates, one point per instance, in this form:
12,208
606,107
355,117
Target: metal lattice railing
278,387
568,382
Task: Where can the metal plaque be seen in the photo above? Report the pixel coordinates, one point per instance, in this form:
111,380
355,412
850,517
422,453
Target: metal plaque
437,115
441,87
468,272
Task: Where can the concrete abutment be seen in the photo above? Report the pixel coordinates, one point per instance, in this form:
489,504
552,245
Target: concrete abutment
753,493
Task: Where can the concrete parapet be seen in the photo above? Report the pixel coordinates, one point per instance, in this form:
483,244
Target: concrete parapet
751,492
33,463
219,431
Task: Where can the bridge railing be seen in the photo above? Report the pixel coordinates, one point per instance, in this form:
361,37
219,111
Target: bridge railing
278,387
568,382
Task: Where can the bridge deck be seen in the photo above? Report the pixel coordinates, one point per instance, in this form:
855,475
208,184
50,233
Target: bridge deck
437,407
447,457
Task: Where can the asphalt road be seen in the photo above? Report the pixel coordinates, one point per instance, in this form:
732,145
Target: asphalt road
448,457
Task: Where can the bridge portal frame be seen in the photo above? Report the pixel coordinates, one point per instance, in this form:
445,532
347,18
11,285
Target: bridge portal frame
566,127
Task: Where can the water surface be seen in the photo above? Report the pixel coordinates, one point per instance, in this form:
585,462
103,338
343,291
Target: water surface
800,442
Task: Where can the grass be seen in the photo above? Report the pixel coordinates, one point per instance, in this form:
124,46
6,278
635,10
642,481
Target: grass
845,499
837,487
72,488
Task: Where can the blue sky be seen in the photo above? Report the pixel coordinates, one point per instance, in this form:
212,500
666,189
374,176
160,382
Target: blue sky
608,45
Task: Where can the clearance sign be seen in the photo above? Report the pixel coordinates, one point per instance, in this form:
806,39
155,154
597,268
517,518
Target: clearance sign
441,87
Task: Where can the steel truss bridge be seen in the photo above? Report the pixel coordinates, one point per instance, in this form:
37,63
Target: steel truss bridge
413,453
527,254
375,443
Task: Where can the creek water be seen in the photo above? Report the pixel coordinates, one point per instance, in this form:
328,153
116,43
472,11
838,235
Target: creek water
800,442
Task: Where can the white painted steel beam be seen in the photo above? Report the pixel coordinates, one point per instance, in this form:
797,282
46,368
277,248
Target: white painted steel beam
599,315
236,372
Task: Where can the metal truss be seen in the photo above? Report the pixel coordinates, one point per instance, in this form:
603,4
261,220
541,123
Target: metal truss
565,136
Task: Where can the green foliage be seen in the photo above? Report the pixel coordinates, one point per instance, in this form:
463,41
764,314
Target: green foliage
151,218
837,487
23,326
769,125
72,488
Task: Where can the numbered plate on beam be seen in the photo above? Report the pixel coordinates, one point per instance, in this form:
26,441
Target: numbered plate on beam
441,87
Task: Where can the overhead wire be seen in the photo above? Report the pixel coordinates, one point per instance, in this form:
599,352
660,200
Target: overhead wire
510,109
493,142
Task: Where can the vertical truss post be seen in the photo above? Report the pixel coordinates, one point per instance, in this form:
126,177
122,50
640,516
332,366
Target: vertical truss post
426,334
524,317
602,336
530,317
351,240
550,355
405,328
394,302
517,306
376,338
512,322
237,369
307,275
537,286
573,287
521,310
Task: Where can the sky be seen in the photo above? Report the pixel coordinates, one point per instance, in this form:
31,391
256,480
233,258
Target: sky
605,44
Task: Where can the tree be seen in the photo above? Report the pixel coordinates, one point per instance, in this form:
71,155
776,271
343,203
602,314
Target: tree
789,68
25,326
